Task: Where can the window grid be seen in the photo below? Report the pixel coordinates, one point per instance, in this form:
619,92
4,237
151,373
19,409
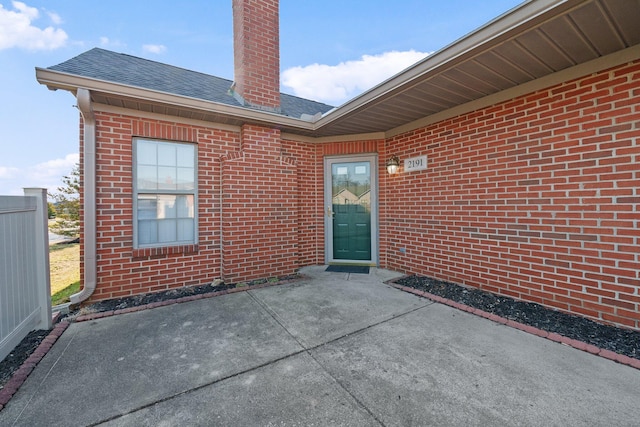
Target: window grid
164,193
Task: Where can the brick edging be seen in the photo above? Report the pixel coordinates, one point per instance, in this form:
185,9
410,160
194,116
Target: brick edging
100,315
580,345
20,376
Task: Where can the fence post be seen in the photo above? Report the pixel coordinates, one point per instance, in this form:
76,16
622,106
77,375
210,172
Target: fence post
42,255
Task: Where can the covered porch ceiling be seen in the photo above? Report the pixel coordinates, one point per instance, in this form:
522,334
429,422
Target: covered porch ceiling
531,42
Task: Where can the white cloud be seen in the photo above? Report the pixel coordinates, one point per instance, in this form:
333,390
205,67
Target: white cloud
335,84
55,18
67,162
49,174
30,12
106,42
8,172
154,48
17,29
42,175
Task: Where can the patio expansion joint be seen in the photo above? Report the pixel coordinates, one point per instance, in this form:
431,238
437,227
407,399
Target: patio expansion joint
304,349
200,387
309,349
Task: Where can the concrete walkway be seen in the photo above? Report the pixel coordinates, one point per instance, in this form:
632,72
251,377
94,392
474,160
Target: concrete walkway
337,349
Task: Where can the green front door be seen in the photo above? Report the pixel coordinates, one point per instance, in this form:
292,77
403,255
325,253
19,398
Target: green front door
350,210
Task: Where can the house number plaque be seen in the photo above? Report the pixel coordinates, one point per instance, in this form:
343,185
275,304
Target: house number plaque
415,164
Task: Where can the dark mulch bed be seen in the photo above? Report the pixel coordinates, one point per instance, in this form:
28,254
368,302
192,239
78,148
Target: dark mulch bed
14,360
138,300
618,340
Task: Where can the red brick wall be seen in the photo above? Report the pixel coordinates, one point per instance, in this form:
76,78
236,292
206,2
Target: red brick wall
123,270
256,43
268,203
272,206
536,198
260,219
309,202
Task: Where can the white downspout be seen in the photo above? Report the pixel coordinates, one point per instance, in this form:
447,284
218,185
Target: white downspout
89,192
221,218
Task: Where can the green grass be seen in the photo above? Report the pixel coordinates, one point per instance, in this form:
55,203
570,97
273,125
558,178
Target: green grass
62,296
64,263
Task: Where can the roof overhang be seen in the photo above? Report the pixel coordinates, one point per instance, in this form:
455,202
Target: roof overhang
538,42
533,41
151,101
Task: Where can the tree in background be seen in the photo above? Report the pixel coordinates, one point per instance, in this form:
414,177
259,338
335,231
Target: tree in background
67,206
51,210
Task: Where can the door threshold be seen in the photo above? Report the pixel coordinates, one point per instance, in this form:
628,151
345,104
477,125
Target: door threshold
355,264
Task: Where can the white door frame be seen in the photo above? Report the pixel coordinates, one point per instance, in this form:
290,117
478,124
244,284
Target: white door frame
328,202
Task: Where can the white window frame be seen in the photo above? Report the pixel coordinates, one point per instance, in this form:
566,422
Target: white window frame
163,192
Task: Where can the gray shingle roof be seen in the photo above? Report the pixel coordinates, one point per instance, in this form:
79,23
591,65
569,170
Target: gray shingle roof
133,71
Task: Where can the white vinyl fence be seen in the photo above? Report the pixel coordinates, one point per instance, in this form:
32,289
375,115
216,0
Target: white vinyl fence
25,299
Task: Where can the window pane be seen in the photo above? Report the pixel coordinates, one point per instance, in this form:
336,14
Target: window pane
186,230
167,231
147,178
182,207
166,154
185,179
167,177
147,207
167,206
186,155
147,232
146,154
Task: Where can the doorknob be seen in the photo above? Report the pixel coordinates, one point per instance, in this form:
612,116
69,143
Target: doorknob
329,212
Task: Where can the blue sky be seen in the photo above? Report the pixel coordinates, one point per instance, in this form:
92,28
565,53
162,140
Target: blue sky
330,51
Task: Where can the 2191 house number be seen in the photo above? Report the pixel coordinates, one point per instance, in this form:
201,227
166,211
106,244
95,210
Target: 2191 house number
415,164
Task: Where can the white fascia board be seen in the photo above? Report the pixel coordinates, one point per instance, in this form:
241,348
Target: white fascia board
514,21
71,82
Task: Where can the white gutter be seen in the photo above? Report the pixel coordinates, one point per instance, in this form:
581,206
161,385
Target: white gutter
83,97
65,81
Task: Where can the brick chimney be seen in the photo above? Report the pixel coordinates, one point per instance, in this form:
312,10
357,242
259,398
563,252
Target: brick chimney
256,44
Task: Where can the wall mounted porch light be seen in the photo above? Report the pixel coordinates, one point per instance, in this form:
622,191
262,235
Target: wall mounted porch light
393,164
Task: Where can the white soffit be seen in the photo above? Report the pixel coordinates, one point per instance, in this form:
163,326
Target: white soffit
530,42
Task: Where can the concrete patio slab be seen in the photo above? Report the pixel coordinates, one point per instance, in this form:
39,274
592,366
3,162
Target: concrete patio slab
292,392
332,349
99,369
332,305
444,367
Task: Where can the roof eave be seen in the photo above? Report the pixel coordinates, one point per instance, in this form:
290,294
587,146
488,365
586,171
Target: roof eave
71,82
502,28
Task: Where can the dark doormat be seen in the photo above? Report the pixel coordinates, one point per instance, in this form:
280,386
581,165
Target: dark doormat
359,269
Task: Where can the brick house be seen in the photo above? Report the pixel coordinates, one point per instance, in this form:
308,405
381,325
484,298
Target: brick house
518,148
